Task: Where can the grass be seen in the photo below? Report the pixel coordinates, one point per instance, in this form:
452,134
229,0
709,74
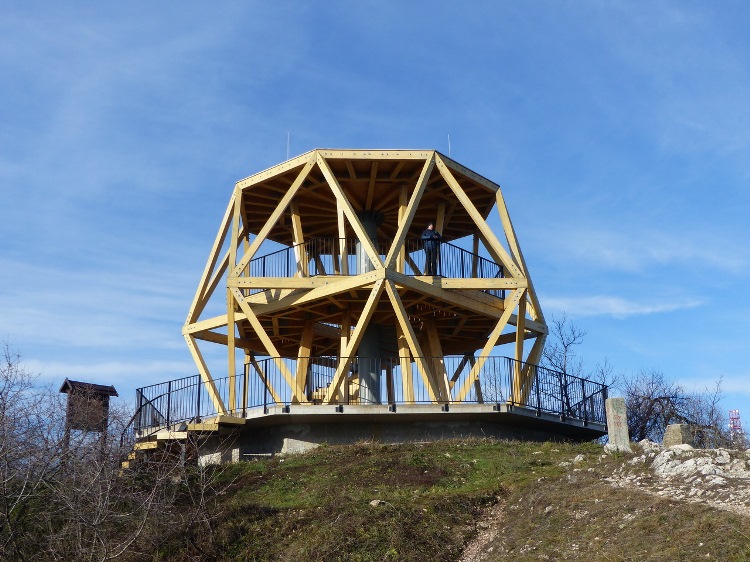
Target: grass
430,497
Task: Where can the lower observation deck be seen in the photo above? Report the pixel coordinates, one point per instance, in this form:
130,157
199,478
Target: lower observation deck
556,406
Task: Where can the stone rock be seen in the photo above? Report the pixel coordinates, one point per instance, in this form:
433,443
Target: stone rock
677,434
648,446
617,423
611,448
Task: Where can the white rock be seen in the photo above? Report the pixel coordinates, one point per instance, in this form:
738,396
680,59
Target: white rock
610,448
722,456
648,446
579,459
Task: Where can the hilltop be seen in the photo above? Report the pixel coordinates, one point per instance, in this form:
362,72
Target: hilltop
472,500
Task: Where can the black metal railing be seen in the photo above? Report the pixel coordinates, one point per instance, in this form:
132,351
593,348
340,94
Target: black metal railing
382,380
334,256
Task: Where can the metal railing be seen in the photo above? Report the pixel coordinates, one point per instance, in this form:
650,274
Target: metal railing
334,256
382,380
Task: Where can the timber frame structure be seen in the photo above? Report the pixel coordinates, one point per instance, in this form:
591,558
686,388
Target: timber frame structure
288,263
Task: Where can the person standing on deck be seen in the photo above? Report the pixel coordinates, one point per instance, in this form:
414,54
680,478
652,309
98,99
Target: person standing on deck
431,243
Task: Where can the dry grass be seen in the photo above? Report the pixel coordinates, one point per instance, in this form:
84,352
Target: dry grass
431,501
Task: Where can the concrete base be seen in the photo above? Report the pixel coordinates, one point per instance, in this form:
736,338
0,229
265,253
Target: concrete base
296,429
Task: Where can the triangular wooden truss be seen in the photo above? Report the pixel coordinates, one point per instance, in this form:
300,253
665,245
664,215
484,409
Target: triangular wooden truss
324,193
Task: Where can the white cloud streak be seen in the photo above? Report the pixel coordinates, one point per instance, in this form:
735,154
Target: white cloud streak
615,307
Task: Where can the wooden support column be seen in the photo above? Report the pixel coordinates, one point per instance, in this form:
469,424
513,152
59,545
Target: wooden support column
303,357
494,247
404,355
475,255
440,219
267,343
298,240
520,332
356,337
205,374
510,306
264,378
411,209
403,201
199,299
344,252
275,215
411,338
351,215
231,305
438,362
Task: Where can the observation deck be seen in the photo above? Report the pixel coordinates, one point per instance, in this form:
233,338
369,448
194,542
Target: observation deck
319,282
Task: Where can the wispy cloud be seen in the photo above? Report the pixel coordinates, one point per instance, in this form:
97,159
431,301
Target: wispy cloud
615,307
123,374
637,250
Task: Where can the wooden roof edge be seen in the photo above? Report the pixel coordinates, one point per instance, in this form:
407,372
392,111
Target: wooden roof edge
469,173
90,387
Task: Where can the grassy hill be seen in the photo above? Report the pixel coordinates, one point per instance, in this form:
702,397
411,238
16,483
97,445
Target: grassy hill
427,502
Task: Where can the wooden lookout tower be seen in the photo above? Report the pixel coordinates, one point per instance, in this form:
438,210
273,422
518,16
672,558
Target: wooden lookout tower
320,290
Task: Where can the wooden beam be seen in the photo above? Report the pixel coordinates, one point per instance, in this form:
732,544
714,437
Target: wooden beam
274,217
520,330
371,185
205,374
375,154
408,215
231,305
282,282
491,306
438,362
354,341
301,298
404,360
495,248
403,201
474,284
343,250
354,221
275,171
212,259
491,342
521,390
298,241
267,343
303,357
407,330
264,379
510,234
440,219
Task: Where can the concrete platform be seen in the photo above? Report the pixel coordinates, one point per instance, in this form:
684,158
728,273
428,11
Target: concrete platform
292,429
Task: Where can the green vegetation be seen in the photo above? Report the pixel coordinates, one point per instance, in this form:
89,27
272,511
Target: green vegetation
371,502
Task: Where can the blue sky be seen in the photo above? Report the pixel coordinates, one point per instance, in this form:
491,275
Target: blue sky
618,130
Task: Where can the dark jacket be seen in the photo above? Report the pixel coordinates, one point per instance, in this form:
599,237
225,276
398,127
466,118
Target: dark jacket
431,239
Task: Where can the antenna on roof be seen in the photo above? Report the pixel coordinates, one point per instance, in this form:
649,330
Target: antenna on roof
288,137
449,144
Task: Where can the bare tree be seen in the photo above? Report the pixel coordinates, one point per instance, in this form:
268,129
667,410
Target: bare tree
68,498
560,350
653,402
560,357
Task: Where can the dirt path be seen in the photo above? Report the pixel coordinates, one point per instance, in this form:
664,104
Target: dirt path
489,528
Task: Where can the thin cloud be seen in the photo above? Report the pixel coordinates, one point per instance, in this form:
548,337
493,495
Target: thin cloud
638,250
616,307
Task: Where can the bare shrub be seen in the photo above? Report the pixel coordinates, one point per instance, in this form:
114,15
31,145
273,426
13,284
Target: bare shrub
68,498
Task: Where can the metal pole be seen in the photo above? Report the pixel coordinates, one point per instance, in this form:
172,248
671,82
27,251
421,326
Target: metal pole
198,401
169,402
